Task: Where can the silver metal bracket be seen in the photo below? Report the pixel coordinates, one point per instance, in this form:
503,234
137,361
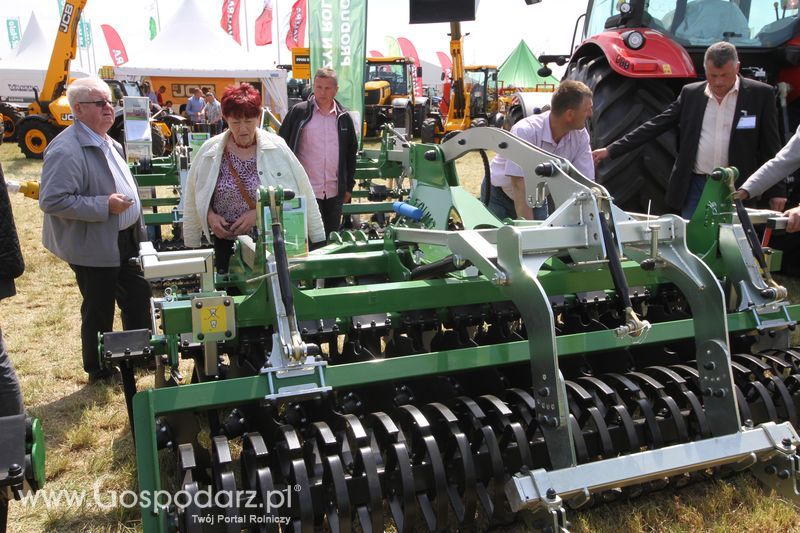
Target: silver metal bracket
301,380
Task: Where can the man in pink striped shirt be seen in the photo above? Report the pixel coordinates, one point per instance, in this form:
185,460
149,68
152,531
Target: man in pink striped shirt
322,135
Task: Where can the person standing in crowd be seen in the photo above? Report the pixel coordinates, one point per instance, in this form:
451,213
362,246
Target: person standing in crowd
147,90
561,131
168,107
213,113
321,132
194,107
93,219
726,120
11,267
160,95
223,181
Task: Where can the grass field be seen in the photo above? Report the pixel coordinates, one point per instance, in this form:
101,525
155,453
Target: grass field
89,443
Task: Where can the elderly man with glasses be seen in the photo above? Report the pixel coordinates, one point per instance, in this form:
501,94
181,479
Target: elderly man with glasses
93,219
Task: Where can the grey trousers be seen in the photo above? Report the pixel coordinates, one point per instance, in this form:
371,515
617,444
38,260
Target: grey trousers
10,393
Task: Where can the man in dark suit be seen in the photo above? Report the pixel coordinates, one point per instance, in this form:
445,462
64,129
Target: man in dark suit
724,121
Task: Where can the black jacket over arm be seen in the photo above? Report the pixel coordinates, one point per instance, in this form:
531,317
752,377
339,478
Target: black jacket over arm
749,148
296,119
11,263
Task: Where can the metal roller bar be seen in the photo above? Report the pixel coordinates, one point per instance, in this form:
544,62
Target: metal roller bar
539,487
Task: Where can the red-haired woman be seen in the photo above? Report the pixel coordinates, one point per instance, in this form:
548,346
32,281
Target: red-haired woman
222,186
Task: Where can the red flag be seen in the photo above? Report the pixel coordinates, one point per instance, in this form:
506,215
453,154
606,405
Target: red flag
409,50
230,19
375,53
296,34
447,67
263,31
445,61
115,46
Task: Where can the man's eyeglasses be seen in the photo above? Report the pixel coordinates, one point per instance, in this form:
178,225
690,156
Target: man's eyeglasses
99,103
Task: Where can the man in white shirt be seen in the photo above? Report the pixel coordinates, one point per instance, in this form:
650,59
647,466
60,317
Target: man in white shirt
726,120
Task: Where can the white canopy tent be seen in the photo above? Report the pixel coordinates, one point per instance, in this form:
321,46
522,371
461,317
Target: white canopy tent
27,68
192,45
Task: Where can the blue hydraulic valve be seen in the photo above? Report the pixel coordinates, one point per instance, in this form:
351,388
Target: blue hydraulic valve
407,210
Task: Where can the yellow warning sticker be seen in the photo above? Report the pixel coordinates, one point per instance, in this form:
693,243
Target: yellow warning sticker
666,68
213,319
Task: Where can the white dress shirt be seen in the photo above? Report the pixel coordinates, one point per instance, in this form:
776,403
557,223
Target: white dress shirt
715,134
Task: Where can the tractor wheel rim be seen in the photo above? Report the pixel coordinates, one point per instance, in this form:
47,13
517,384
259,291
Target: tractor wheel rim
36,141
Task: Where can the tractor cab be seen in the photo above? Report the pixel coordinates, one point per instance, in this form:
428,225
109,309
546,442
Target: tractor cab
387,77
389,87
480,82
123,88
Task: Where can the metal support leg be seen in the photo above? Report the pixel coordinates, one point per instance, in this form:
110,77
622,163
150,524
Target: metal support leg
129,388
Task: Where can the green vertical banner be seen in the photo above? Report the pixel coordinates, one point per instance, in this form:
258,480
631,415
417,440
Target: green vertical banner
87,33
153,28
337,37
14,32
82,35
60,7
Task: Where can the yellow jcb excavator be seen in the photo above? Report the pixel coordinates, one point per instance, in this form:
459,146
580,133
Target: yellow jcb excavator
473,96
50,113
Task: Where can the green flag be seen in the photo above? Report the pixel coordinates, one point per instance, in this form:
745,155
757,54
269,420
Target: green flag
14,33
60,7
337,38
153,28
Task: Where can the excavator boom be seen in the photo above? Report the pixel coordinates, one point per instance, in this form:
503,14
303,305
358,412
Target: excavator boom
457,108
64,51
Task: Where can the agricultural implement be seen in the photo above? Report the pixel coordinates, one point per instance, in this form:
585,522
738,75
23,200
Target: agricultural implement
21,460
456,370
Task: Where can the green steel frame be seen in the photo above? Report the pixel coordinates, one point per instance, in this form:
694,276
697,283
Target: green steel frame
438,192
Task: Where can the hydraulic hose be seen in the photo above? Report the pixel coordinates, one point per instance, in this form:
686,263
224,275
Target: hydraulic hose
614,263
281,259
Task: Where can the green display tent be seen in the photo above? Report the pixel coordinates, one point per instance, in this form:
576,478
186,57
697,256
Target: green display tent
520,69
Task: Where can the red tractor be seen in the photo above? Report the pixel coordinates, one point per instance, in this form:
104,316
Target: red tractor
637,54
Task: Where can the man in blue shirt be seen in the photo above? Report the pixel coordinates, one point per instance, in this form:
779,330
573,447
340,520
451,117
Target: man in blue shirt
194,107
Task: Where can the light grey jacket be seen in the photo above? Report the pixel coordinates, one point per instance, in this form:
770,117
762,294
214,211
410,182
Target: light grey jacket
776,169
76,183
276,165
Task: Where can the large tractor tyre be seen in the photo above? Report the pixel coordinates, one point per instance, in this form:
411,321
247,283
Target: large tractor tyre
403,118
620,105
10,117
514,116
427,132
497,120
421,112
159,142
33,137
